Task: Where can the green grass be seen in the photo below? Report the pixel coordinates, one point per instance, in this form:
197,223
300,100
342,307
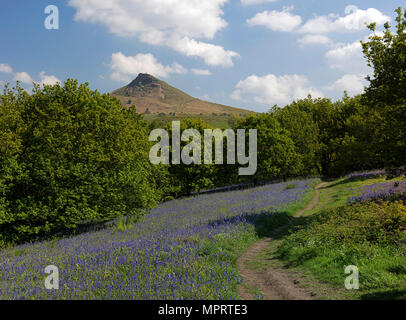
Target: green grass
336,193
366,235
334,235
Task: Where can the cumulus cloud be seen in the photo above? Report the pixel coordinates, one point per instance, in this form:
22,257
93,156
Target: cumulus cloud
24,77
126,68
311,39
277,20
201,72
178,24
254,2
354,20
271,89
212,55
348,58
5,68
351,83
48,80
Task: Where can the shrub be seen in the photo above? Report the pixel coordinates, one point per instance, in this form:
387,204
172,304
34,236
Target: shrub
373,223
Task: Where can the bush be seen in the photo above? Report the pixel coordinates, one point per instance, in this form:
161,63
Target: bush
371,236
70,157
362,223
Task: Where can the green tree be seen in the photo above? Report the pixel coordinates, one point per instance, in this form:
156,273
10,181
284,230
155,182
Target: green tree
330,137
356,152
386,94
277,157
194,177
304,132
78,158
11,169
386,54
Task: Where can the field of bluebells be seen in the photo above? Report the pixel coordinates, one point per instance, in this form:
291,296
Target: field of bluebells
179,251
384,191
366,175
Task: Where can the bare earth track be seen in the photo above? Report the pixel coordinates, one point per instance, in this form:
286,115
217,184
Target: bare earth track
274,284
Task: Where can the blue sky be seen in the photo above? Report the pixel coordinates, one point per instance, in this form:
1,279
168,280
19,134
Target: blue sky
243,53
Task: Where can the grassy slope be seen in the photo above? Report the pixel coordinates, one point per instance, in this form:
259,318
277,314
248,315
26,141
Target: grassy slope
312,250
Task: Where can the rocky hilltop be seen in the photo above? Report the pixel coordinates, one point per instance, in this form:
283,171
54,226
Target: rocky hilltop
151,95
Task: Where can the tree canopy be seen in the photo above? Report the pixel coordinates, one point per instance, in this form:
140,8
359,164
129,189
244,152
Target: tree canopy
70,156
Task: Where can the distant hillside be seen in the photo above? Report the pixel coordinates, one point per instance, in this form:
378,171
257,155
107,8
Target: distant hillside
153,96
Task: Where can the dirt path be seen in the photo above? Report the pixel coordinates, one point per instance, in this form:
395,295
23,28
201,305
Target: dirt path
274,284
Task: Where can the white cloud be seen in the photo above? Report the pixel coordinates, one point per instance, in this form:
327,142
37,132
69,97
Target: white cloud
24,77
125,68
348,58
354,20
310,39
254,2
212,55
277,20
201,72
134,17
5,68
351,83
48,80
174,23
271,89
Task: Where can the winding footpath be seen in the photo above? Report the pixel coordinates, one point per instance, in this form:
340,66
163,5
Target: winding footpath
273,283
